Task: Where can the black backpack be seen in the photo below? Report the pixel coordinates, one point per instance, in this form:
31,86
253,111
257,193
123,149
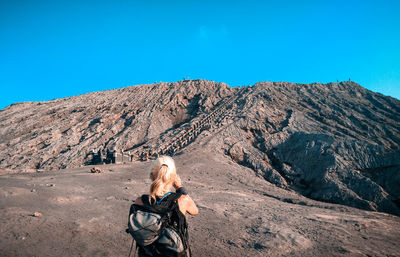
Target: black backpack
159,228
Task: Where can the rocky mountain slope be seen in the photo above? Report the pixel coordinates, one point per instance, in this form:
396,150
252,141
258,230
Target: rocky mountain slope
335,142
79,213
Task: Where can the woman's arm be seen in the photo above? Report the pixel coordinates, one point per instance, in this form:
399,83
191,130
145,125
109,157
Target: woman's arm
185,202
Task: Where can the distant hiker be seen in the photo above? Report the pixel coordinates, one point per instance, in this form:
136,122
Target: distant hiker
171,150
100,157
144,156
157,221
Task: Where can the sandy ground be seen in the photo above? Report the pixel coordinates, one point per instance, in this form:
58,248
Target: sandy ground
85,214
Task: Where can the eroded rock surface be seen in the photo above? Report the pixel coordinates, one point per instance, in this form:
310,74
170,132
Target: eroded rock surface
60,133
335,142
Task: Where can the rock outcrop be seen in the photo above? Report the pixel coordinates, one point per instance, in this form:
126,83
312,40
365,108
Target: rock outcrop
335,142
332,142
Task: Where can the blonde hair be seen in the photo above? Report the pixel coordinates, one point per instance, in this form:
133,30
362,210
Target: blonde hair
163,174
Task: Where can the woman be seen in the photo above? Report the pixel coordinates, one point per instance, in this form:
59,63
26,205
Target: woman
164,177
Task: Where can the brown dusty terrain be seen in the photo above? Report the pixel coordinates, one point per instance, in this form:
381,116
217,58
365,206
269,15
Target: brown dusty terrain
253,159
85,214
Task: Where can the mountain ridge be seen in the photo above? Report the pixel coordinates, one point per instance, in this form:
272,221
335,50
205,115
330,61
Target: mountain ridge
325,141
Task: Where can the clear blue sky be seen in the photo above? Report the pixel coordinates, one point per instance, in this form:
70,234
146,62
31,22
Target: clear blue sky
53,49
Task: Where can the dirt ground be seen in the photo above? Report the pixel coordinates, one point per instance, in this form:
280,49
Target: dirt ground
85,214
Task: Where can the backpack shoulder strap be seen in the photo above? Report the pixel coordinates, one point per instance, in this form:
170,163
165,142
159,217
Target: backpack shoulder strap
147,206
170,201
145,199
165,205
159,201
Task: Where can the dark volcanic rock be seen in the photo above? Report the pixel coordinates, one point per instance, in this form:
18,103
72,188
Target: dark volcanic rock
335,142
329,170
327,142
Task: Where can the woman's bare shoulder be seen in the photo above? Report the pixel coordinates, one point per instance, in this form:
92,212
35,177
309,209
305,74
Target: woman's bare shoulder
139,201
186,204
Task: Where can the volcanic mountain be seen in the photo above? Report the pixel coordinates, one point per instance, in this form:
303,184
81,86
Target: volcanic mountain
335,142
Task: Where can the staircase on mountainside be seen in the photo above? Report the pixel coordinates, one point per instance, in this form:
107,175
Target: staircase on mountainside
186,134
